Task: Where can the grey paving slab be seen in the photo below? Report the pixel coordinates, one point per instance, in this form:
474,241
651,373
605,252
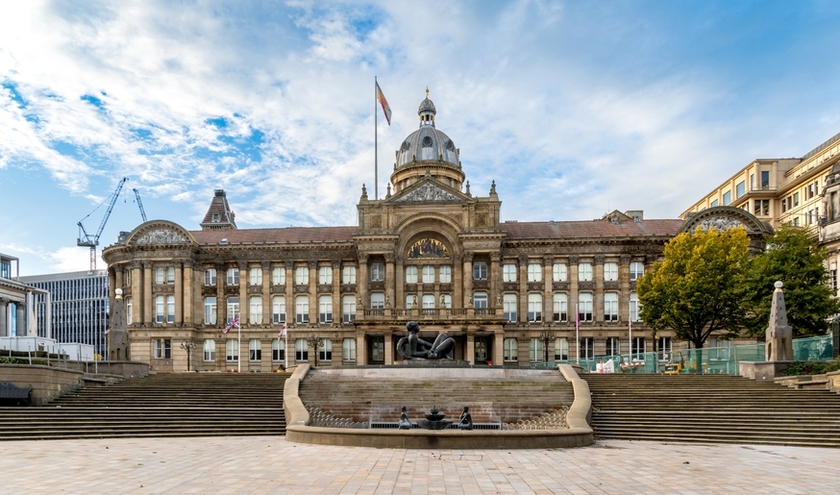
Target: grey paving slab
271,465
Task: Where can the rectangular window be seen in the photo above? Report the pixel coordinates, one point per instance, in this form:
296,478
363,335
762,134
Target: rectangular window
534,308
508,273
561,349
765,207
377,353
348,308
163,348
634,306
278,275
170,275
278,309
613,346
209,351
713,203
232,350
637,348
428,274
585,306
209,310
159,309
446,301
480,300
255,313
429,301
377,300
479,270
301,352
232,309
796,199
254,350
348,350
255,276
411,274
377,272
536,351
611,306
587,348
610,272
325,314
210,277
511,350
727,198
663,346
740,189
637,269
301,275
128,311
278,350
534,272
445,274
325,352
509,307
127,279
325,275
302,309
170,309
559,272
560,307
585,272
159,275
348,275
784,205
233,276
411,301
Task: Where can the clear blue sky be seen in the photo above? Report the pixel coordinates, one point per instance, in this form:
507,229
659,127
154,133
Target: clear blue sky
574,108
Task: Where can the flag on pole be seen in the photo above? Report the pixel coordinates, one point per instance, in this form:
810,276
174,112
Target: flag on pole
386,108
283,331
233,324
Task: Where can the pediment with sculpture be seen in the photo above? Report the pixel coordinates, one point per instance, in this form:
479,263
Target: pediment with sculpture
160,233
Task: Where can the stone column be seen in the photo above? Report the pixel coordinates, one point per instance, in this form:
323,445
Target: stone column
148,300
362,282
548,292
466,295
290,293
598,299
573,288
336,294
20,309
399,282
457,282
138,310
624,288
190,303
179,294
4,317
390,284
361,348
522,299
470,352
499,347
389,348
244,305
112,283
495,295
312,294
221,301
266,294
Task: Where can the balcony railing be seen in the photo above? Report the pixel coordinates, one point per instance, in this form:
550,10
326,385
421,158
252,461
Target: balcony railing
408,314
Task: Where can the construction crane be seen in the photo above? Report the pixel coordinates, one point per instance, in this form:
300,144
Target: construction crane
92,241
140,204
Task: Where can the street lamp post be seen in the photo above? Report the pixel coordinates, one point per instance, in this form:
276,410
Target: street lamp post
315,343
546,338
188,346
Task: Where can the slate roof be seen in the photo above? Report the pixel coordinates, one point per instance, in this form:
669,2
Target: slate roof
290,235
591,228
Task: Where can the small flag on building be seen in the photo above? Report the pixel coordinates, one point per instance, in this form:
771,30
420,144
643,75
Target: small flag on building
283,331
382,101
233,324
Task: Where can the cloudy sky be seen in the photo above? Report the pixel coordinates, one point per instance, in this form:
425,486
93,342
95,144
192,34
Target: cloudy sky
574,108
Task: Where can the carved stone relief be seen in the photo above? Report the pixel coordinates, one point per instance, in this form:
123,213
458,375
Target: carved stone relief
426,193
162,236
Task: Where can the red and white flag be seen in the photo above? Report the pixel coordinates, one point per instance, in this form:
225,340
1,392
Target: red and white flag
382,101
283,331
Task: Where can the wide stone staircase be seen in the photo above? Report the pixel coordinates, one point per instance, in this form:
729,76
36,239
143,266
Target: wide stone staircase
711,408
170,405
538,401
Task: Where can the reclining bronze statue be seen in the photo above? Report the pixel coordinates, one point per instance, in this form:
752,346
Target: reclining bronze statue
413,347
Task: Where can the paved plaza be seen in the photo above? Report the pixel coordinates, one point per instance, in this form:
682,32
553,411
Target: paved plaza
267,465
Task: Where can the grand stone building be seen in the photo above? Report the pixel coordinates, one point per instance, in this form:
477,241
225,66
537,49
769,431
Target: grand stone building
508,292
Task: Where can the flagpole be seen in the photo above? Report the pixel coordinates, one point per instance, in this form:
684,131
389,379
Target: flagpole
286,347
375,142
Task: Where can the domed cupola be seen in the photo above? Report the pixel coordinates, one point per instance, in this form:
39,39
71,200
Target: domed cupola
427,149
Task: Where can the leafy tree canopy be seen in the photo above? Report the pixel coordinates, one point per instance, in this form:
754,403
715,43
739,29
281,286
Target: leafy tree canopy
793,257
695,290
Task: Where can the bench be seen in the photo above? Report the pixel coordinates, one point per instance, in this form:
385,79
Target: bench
11,394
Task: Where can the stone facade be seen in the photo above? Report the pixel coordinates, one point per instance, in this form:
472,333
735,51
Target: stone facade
429,251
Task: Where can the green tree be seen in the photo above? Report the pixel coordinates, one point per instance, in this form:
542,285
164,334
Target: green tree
695,289
796,259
